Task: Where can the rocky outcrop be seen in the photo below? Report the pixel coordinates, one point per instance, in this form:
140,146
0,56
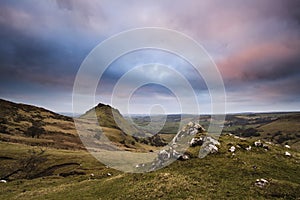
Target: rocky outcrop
193,135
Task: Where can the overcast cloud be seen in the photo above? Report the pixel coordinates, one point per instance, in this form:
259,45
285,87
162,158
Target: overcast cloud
255,44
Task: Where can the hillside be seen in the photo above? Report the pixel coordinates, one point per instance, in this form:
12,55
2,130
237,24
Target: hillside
64,174
41,157
284,130
107,117
32,125
111,118
26,124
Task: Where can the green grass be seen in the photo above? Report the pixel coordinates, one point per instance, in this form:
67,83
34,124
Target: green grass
217,176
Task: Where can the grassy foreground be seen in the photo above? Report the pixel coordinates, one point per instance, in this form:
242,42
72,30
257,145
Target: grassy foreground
65,174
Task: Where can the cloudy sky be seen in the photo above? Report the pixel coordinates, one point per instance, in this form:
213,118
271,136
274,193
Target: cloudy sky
255,45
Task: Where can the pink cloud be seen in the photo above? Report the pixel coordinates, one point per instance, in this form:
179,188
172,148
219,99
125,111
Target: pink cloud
259,56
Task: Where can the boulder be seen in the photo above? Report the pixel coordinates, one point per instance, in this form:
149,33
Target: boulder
164,155
258,143
231,149
248,148
261,182
197,141
211,140
209,146
287,154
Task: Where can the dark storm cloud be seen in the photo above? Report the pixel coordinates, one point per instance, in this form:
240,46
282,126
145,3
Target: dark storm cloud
255,44
43,58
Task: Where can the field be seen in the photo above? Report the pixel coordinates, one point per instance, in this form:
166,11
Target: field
67,175
42,157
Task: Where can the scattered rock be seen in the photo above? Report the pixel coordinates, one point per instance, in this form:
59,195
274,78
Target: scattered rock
287,154
261,182
248,148
258,143
232,149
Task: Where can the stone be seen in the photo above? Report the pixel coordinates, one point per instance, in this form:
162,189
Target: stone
258,143
190,124
261,182
199,128
248,148
198,141
232,149
212,140
164,155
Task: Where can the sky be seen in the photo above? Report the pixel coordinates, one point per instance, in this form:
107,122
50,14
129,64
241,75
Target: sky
255,45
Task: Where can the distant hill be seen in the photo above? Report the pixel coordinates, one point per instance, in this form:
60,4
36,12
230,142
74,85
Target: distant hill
111,118
284,130
33,125
281,128
107,117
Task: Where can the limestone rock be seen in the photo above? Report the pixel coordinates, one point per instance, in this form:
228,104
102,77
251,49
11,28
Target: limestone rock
261,182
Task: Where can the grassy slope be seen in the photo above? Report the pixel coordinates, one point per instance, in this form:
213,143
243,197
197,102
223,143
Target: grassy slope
285,130
57,131
218,176
54,130
106,117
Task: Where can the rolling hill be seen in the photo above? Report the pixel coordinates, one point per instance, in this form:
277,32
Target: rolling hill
285,130
42,157
66,174
21,123
32,125
128,133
